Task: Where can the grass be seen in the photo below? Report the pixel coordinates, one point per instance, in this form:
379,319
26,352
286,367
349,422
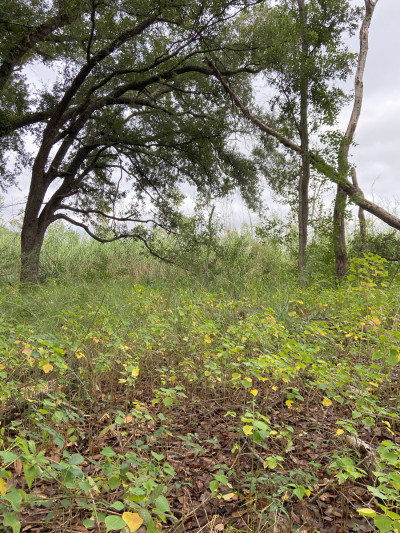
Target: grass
139,396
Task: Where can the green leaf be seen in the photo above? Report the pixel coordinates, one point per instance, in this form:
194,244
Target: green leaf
114,482
114,522
118,506
15,498
151,528
162,504
88,523
383,523
158,456
299,492
8,457
393,358
108,452
11,520
168,401
76,459
214,484
31,472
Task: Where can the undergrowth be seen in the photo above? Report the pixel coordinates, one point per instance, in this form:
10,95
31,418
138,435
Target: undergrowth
138,396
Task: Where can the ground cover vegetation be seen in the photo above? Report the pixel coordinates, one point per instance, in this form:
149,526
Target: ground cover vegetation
139,396
228,381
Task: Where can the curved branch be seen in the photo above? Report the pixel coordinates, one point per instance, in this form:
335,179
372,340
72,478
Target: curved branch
354,193
112,217
112,239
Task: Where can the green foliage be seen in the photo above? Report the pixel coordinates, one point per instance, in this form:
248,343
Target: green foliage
146,345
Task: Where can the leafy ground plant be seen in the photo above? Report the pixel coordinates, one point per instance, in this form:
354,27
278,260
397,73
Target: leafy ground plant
252,407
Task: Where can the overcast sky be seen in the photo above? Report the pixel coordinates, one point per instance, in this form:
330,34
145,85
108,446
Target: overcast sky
377,154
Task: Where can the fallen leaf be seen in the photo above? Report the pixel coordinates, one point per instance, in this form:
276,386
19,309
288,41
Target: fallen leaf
132,520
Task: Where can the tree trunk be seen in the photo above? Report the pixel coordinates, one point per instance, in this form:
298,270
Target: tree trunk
361,214
339,233
303,219
31,245
305,161
34,228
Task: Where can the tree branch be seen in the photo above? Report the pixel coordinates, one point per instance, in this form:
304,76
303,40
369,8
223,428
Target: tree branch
103,240
354,193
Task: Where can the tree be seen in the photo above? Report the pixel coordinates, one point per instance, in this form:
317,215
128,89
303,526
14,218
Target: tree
339,233
304,57
338,175
132,114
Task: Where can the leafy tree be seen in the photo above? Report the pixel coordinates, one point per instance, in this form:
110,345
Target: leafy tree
337,173
130,118
304,57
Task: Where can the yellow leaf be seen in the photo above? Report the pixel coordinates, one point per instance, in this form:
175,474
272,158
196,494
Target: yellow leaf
326,402
2,367
230,496
47,368
339,432
3,488
273,432
79,355
135,372
274,388
374,384
247,430
367,512
289,403
132,520
254,392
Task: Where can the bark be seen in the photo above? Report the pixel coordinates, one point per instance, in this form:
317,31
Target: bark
31,245
32,234
361,214
304,181
339,233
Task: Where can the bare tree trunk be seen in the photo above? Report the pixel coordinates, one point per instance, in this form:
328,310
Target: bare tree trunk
304,181
361,214
339,233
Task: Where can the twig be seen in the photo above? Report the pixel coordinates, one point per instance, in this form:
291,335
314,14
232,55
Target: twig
193,511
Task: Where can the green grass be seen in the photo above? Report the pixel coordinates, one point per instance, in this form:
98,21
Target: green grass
233,399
